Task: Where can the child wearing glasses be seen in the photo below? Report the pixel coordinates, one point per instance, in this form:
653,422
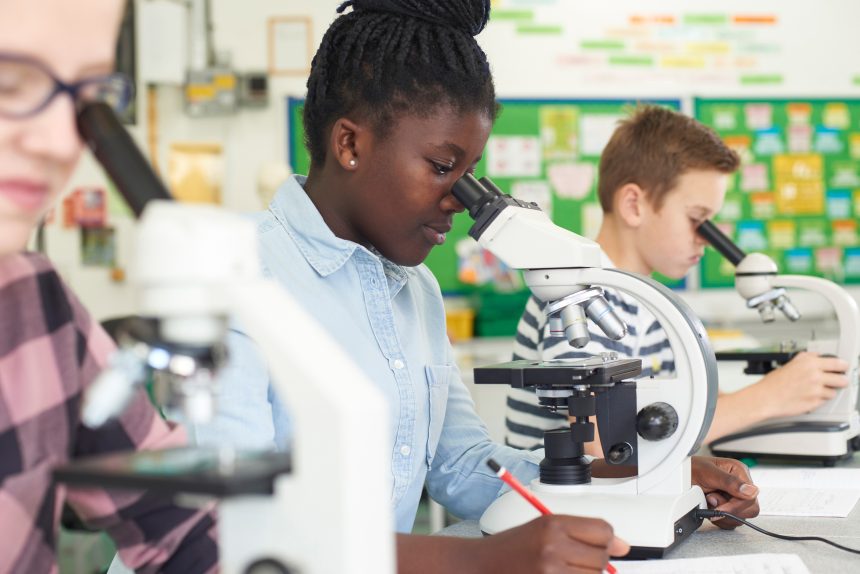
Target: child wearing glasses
55,54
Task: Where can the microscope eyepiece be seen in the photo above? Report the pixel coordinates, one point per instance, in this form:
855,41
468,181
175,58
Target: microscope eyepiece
485,202
720,241
474,193
113,147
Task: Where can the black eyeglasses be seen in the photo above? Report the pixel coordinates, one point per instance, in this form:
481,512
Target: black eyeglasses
27,86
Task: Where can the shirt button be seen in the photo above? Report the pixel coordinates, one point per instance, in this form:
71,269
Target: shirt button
405,450
398,364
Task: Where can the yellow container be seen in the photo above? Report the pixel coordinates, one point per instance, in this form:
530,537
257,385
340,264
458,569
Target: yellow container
460,324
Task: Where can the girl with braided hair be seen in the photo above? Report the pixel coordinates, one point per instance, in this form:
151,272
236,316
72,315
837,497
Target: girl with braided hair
399,106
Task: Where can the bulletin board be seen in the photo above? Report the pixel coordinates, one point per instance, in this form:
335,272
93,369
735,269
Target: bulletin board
796,196
545,151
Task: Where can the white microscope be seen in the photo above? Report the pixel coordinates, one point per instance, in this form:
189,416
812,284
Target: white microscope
832,431
651,426
318,510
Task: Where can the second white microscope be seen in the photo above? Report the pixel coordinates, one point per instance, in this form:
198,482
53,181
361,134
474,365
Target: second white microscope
650,426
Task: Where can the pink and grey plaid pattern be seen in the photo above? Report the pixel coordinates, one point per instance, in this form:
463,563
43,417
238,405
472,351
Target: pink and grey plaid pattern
50,350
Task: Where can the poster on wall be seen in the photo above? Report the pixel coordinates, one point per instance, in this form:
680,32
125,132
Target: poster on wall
290,45
796,196
98,247
85,207
195,172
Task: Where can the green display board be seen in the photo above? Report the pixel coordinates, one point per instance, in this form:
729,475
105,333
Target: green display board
542,150
796,196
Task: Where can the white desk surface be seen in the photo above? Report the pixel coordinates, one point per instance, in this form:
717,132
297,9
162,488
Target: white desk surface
709,540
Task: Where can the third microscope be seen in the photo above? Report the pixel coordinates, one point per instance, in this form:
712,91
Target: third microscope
832,431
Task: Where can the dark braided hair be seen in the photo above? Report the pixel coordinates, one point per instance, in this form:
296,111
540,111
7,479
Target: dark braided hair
390,57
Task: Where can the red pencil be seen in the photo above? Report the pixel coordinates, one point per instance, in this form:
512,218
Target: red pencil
511,481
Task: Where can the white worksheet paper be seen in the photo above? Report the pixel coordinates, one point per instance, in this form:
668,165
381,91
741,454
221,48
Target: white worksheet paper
824,492
741,564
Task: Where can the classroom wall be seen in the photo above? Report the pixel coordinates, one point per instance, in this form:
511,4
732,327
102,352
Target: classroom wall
672,48
250,139
537,48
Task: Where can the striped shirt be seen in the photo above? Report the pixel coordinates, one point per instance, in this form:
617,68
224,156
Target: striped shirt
50,351
525,419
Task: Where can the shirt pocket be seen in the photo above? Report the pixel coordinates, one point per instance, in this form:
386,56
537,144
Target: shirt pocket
438,379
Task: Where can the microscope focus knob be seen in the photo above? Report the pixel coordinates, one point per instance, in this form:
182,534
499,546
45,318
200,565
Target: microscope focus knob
619,453
657,421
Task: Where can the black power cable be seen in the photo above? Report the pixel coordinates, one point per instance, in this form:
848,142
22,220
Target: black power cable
702,513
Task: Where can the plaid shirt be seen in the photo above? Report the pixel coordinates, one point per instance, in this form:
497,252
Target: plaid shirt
50,351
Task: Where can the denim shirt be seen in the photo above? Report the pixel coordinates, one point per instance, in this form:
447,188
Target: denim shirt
391,321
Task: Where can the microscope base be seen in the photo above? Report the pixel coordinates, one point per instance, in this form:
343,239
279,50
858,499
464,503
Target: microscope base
652,524
821,441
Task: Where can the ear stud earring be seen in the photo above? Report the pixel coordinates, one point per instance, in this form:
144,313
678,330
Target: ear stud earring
352,163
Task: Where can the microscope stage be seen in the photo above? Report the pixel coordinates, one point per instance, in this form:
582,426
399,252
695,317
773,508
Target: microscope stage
203,471
560,373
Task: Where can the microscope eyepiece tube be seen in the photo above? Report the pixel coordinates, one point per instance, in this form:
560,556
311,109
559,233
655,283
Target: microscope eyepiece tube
473,194
599,311
113,147
727,248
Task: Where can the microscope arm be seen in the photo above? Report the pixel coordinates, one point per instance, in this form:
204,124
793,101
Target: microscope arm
844,305
847,346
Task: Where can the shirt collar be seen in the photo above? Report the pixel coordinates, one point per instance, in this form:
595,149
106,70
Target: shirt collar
322,249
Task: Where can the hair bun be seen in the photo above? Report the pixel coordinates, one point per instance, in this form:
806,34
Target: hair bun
470,16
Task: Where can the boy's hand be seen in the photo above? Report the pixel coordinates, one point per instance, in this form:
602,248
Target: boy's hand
555,543
727,486
803,384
